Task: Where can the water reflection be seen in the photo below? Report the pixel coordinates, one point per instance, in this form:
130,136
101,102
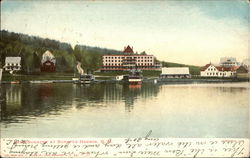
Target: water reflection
120,110
52,99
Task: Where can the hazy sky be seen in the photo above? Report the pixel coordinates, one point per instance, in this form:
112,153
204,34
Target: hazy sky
185,31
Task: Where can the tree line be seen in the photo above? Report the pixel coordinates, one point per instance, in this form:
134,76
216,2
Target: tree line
31,49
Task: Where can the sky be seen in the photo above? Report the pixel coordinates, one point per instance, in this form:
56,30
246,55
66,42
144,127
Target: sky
193,32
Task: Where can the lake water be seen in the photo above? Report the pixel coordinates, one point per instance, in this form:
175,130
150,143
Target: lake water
116,110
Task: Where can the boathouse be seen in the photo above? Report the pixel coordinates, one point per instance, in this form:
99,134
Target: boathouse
175,72
48,62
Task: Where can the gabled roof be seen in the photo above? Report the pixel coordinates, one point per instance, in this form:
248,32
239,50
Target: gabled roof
205,67
48,53
48,56
221,68
128,49
242,69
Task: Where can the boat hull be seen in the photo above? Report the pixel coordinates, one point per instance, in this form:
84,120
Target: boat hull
135,81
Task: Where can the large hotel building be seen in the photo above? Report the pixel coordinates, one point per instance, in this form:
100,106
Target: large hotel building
129,60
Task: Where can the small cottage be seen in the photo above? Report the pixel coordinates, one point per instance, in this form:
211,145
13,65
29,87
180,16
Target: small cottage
175,72
12,64
48,62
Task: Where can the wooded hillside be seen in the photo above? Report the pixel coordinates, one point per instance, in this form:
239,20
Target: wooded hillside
31,48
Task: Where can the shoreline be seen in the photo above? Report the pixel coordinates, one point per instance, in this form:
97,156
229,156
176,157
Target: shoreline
146,80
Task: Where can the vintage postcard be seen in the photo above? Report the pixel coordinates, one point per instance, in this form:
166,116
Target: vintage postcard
124,78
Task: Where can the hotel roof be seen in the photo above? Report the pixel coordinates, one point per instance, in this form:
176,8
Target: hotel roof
128,49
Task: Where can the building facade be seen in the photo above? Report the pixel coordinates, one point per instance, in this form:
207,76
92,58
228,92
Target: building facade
229,62
211,70
12,64
175,72
129,60
48,62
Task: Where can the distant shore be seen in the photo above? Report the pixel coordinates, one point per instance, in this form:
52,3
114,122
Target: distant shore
107,78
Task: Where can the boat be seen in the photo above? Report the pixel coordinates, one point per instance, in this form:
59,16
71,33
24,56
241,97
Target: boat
86,78
14,82
135,77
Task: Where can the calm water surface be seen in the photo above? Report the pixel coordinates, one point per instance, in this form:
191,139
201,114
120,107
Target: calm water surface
116,110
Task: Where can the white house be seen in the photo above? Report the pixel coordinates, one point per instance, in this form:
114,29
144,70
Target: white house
211,70
12,64
175,72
